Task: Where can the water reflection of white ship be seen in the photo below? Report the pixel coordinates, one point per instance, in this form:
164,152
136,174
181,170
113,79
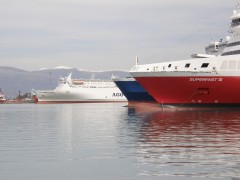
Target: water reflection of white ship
76,91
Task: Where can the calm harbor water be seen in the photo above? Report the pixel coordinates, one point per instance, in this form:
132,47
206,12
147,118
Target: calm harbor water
112,141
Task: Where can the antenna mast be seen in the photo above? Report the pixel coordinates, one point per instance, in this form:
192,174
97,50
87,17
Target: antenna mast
136,60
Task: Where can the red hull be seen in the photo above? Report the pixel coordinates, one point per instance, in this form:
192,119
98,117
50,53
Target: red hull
193,90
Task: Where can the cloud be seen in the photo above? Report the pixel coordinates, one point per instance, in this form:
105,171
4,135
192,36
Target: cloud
106,34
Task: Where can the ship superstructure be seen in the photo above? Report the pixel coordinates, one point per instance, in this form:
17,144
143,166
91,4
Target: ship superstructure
214,48
233,46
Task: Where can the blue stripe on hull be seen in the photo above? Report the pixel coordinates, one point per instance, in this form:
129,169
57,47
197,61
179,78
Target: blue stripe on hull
133,91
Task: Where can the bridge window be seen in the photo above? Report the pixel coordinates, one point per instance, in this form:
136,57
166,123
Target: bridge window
204,65
231,53
169,65
187,65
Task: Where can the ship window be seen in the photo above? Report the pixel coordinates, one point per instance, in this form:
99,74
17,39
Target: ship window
231,53
233,44
187,65
204,65
169,65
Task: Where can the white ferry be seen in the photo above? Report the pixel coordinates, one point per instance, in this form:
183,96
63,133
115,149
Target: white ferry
79,91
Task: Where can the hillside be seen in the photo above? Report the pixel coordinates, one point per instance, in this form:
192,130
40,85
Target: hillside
13,80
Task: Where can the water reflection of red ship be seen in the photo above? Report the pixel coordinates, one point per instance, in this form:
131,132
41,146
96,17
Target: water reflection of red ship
143,107
225,121
201,140
151,106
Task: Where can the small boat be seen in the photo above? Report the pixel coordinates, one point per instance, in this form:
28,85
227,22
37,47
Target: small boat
2,97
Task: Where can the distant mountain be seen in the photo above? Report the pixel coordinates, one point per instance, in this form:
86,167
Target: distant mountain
13,80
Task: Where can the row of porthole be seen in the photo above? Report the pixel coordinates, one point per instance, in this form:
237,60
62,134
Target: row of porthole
204,65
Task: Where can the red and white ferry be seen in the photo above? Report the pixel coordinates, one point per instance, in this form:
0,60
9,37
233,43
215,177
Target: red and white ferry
213,81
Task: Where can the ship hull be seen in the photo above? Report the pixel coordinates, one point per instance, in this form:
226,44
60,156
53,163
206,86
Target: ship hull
79,95
194,91
132,90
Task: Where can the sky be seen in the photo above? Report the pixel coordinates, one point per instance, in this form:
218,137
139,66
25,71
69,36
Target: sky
107,34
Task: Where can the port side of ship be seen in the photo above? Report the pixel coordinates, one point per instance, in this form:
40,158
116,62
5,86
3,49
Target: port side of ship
207,82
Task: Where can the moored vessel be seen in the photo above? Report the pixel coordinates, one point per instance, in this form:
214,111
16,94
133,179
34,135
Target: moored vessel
132,90
2,97
78,91
207,82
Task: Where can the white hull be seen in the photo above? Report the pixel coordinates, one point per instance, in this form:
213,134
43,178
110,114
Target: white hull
81,95
88,91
